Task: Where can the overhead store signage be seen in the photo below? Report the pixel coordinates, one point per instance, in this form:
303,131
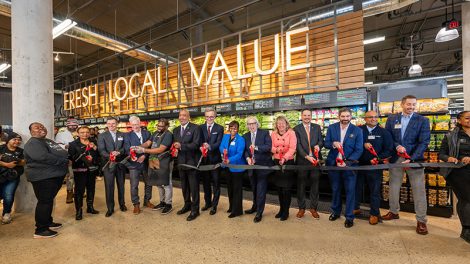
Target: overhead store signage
299,60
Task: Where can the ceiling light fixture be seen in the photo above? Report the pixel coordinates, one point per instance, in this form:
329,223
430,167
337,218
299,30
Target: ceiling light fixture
415,68
449,30
63,27
455,85
368,83
4,67
374,40
373,68
56,58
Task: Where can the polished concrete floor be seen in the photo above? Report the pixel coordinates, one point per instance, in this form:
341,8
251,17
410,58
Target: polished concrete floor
154,238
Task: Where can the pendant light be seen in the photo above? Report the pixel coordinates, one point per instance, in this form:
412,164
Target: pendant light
449,30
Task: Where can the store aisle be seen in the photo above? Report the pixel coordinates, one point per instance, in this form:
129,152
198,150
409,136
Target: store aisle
153,238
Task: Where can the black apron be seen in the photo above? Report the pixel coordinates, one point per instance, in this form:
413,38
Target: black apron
160,177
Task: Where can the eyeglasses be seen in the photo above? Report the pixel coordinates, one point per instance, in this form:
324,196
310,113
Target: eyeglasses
210,117
371,117
251,123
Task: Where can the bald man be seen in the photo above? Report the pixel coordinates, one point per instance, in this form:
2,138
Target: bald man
381,140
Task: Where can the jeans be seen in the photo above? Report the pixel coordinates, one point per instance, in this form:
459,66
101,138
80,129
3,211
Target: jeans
45,191
7,191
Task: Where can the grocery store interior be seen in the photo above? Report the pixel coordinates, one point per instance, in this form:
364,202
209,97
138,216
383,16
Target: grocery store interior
91,60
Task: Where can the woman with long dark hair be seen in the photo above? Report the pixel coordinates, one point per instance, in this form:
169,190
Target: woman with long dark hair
455,148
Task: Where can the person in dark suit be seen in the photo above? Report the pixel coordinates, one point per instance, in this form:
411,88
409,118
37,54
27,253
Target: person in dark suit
381,141
187,138
411,135
346,136
309,139
135,138
258,146
211,136
111,143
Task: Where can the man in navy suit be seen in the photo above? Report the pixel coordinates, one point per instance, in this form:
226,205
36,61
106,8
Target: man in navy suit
348,137
211,137
258,146
411,134
137,137
187,138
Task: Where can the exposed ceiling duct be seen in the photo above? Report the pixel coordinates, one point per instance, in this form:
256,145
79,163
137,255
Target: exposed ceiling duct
375,7
103,39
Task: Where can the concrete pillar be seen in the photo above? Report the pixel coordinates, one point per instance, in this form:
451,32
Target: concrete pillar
32,75
466,53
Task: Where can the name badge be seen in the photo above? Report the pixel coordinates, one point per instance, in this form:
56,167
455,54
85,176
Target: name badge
214,133
371,137
232,143
188,133
397,126
463,140
120,138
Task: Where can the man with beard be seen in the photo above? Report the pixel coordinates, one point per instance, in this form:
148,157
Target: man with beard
343,138
187,138
411,135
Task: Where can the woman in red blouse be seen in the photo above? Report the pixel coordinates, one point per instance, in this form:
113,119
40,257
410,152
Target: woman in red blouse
283,149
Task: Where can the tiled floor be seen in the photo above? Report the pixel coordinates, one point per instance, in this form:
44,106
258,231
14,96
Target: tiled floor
153,238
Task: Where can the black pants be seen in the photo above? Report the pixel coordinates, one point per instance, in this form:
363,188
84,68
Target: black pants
460,181
285,198
235,191
190,188
259,185
84,180
310,179
45,191
116,174
207,178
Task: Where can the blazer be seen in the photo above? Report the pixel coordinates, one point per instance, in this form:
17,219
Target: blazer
190,142
380,139
76,148
132,140
316,138
217,132
263,143
235,150
285,144
416,138
107,145
352,144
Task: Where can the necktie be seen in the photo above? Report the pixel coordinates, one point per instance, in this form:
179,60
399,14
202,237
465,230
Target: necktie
307,129
253,138
208,132
182,131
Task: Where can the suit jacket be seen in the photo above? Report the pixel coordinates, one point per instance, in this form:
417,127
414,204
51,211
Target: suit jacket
132,140
106,145
381,140
217,132
235,150
416,138
264,144
190,142
316,138
352,144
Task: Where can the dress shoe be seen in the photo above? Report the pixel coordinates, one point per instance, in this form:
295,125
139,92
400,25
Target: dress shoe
183,210
258,218
192,216
213,211
300,213
390,216
348,223
373,220
206,207
123,208
69,198
357,211
315,214
109,213
229,210
284,217
465,234
278,215
91,210
232,215
251,211
150,205
79,214
421,228
136,209
333,217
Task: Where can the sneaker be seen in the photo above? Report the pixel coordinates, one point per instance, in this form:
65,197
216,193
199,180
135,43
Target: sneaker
159,206
55,226
168,208
6,219
45,234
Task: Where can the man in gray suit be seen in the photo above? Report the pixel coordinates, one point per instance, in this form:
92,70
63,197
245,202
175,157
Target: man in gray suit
111,143
309,140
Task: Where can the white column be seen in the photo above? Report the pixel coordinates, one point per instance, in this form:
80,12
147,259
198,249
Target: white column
466,53
33,85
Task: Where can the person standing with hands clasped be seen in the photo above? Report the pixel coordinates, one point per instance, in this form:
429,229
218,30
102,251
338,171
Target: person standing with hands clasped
455,148
411,135
283,149
345,143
